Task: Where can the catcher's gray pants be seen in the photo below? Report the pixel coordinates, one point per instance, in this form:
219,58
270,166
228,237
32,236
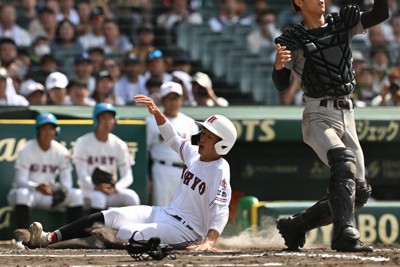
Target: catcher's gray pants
327,127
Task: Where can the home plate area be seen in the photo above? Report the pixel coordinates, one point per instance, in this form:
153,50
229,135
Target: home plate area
383,256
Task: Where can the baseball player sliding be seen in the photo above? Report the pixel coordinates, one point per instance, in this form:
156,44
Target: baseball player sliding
37,167
198,212
318,51
167,165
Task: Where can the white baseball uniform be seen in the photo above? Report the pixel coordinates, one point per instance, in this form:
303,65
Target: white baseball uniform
167,164
35,166
112,155
200,203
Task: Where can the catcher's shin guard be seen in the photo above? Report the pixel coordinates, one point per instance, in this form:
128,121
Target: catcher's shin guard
341,198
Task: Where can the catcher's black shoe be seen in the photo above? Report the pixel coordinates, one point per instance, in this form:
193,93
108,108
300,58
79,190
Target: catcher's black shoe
293,236
348,242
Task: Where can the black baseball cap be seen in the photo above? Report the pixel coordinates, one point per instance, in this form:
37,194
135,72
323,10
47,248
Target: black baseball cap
84,57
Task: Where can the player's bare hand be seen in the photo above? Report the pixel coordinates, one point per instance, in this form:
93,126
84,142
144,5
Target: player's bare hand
151,106
205,246
45,189
106,188
282,57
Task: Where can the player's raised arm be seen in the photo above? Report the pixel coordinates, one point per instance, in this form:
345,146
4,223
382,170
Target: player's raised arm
167,132
376,15
152,107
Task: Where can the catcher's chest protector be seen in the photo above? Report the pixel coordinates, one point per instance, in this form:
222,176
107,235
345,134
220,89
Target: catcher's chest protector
328,68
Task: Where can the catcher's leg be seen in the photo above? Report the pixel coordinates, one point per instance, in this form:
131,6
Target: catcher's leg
341,198
293,229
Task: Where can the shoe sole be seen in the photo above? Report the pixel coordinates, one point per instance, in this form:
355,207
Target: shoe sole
361,249
36,230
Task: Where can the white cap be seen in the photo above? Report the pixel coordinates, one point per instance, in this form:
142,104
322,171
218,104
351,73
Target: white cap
183,76
202,79
3,73
30,86
170,87
357,55
56,80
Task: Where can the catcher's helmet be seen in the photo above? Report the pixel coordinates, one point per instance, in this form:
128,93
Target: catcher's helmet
47,118
222,127
100,108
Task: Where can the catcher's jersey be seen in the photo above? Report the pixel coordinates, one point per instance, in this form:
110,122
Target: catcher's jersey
110,155
159,150
43,166
203,184
298,60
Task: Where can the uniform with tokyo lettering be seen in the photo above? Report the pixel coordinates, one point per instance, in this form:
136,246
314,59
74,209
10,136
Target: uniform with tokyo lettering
167,164
200,203
112,155
35,166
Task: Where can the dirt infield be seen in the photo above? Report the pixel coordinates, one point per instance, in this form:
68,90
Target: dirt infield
241,250
248,257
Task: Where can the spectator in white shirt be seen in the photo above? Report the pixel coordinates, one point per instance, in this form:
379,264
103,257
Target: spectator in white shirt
67,11
131,82
95,36
9,28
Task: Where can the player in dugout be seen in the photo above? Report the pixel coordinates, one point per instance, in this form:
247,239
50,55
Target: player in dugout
198,212
318,51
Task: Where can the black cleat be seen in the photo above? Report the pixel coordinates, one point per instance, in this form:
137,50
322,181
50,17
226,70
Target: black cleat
294,239
348,243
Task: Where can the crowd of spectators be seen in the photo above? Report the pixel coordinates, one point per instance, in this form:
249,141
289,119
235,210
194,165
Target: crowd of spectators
103,50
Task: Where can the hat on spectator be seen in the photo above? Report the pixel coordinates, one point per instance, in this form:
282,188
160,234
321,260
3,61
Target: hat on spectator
153,82
96,49
30,86
357,55
202,79
132,58
145,28
96,12
56,80
181,58
77,83
182,76
48,58
103,74
171,87
3,73
154,55
84,57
